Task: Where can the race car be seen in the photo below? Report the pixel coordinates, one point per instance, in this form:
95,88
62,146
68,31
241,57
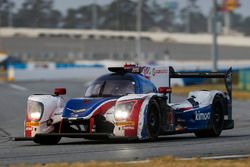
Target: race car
130,102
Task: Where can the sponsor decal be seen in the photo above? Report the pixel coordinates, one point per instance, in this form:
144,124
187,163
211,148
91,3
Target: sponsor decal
136,70
126,123
154,72
29,124
128,128
147,71
133,68
201,116
28,128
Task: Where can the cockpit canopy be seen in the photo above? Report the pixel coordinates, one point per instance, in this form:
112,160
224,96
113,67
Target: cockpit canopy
119,85
109,88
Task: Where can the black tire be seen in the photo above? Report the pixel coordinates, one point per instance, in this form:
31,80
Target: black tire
153,120
44,140
216,120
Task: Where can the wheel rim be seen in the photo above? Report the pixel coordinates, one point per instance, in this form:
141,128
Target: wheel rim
217,119
152,121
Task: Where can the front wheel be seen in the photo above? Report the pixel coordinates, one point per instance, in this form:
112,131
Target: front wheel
45,140
216,121
153,120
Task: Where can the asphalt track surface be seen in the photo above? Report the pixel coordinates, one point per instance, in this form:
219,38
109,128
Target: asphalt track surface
13,103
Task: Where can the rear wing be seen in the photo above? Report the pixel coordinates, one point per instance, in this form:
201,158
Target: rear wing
227,76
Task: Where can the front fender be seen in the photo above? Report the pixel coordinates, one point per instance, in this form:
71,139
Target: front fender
52,111
137,130
142,132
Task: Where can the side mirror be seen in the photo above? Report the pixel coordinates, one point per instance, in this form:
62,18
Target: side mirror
60,91
164,90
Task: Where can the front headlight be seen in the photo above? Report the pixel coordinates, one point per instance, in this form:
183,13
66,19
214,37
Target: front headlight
123,109
35,110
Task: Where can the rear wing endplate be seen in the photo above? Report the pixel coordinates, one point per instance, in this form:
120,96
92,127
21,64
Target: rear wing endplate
227,76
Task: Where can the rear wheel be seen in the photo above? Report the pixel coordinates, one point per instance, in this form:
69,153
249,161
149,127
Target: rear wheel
216,120
153,120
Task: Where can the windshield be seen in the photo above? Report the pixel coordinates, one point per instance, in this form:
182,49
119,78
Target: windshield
110,88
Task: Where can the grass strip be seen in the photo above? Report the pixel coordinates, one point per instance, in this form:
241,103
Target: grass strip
158,162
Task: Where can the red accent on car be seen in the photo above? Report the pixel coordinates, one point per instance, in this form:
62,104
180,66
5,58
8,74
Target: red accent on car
104,108
164,90
91,124
60,126
129,66
134,116
185,108
59,91
28,131
86,101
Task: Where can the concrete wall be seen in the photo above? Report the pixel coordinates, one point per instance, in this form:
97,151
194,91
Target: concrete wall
154,36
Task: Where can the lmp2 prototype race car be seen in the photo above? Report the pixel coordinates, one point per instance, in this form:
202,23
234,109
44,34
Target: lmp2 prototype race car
131,102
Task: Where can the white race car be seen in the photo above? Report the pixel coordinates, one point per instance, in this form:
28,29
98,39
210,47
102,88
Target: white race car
130,102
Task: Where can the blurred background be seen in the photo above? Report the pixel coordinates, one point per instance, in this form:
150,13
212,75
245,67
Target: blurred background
47,44
61,39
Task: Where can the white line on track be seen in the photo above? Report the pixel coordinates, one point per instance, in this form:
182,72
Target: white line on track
134,162
18,87
220,157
